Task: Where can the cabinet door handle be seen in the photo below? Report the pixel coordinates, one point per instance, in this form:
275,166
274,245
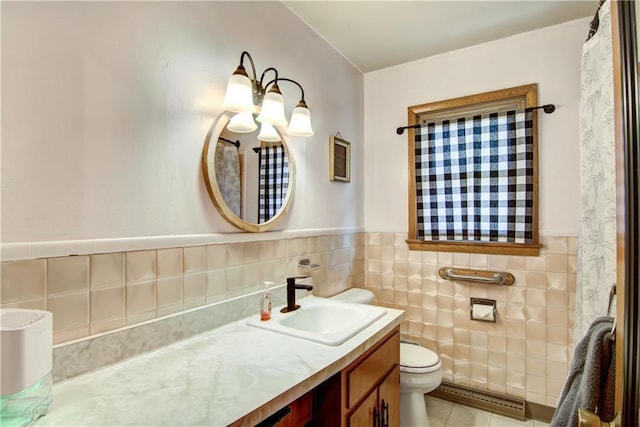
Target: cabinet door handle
376,417
384,416
275,418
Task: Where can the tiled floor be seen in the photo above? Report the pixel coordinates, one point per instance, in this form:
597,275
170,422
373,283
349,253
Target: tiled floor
443,413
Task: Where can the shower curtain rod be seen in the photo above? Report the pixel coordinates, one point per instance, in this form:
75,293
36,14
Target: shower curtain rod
595,22
547,108
236,143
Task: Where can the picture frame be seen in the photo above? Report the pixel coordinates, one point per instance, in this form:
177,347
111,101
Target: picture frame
339,159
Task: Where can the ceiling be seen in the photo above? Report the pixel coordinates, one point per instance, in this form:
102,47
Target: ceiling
379,34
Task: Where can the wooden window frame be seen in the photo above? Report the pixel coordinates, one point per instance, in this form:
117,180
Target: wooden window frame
520,97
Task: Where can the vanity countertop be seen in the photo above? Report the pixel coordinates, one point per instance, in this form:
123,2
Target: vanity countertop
236,374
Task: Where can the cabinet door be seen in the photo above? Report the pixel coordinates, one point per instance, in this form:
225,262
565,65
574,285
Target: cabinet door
389,399
363,416
370,371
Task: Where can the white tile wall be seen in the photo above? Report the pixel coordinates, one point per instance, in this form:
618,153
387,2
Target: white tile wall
95,293
526,353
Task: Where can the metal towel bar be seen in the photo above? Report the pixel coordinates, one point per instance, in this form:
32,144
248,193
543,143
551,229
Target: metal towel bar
489,277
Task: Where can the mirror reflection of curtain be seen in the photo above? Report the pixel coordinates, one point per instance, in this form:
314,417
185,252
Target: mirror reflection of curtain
227,169
274,180
596,269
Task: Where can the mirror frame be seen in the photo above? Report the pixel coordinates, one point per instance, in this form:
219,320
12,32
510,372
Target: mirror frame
214,190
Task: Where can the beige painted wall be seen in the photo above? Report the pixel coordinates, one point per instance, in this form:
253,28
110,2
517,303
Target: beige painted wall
549,57
107,105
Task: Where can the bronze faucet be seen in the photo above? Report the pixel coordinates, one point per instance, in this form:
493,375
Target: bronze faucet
291,293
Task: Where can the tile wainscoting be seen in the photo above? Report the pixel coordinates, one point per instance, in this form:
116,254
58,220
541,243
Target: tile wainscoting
95,293
526,353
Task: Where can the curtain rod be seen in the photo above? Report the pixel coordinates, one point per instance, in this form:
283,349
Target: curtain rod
547,108
236,143
595,22
274,144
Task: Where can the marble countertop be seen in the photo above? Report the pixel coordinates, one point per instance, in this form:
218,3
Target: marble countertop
236,374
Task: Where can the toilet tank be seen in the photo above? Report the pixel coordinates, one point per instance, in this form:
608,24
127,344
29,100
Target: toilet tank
355,295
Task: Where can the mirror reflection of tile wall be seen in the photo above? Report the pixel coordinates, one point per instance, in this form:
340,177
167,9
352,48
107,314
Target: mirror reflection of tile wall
90,294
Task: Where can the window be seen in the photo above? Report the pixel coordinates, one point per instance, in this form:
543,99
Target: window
473,174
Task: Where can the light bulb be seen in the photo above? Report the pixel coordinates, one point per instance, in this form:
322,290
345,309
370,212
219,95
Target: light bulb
300,124
239,95
242,123
268,133
272,110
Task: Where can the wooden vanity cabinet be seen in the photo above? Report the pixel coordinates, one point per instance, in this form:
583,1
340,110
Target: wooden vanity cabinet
381,408
366,393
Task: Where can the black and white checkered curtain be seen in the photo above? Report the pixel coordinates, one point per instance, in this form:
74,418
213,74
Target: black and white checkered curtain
273,181
474,178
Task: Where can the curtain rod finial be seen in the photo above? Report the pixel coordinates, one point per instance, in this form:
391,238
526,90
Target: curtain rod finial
401,129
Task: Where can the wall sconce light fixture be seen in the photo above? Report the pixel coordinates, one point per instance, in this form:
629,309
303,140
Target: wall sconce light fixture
246,96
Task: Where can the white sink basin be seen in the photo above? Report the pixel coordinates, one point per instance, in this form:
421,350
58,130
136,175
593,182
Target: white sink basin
322,320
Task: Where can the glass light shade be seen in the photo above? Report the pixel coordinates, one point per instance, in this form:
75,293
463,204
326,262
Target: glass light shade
300,124
242,123
239,95
272,111
268,133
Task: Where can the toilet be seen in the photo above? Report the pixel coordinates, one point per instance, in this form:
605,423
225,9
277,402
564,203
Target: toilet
420,373
420,370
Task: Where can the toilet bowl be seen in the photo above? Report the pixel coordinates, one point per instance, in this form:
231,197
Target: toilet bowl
420,370
420,373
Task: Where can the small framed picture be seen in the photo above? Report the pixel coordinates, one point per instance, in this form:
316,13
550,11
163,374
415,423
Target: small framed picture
340,159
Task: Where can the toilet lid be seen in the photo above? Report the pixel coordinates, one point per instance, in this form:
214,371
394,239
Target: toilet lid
416,356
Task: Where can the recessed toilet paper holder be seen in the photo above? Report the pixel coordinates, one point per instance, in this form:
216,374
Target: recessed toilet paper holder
483,309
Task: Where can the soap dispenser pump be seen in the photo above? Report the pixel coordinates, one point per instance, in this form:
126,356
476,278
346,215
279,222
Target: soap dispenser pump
265,310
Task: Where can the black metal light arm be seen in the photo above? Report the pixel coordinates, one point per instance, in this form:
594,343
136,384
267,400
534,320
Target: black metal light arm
260,88
302,102
294,82
246,54
272,81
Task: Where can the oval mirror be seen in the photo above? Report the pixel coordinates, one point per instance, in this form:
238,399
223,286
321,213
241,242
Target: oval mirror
249,181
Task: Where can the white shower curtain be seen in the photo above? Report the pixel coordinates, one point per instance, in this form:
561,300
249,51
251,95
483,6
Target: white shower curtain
227,167
596,271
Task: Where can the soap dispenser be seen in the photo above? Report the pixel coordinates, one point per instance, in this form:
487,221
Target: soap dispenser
265,310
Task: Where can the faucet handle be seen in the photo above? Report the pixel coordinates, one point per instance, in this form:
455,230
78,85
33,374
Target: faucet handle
300,282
